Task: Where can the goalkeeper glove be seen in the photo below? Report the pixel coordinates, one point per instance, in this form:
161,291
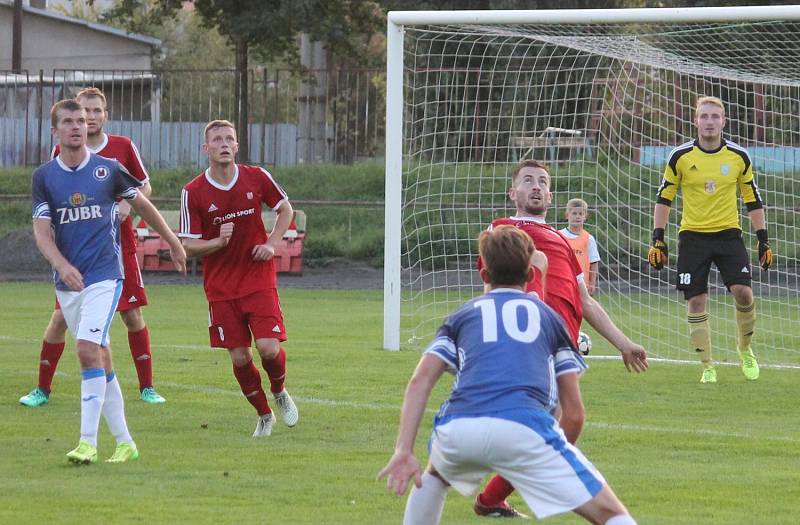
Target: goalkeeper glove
764,251
657,255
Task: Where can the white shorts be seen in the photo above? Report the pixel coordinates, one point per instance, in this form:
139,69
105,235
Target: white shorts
550,474
88,313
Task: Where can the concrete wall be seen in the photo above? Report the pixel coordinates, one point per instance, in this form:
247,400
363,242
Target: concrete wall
50,42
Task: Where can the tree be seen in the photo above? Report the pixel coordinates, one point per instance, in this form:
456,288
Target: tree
267,28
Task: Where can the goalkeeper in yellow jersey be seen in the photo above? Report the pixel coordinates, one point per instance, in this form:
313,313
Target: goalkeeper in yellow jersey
709,170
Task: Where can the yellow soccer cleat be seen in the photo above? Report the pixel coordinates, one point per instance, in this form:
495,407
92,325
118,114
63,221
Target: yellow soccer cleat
749,366
123,453
709,375
84,454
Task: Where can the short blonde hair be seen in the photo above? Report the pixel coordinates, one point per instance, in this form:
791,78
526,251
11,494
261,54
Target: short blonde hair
714,101
506,252
92,92
577,203
218,124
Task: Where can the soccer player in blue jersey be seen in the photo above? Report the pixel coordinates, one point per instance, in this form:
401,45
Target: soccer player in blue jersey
514,362
76,227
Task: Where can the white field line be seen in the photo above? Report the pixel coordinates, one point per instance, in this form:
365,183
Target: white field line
393,407
589,357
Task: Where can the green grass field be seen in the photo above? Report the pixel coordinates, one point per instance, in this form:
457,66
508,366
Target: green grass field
676,452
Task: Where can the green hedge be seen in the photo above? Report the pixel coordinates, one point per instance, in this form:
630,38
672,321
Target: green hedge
466,196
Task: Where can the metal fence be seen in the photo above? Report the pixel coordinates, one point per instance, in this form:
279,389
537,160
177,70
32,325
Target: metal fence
320,116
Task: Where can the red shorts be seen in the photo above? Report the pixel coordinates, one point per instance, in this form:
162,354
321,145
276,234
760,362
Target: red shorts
133,294
231,323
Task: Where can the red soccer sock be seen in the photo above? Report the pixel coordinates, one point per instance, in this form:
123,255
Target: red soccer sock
139,343
48,361
250,381
276,370
496,491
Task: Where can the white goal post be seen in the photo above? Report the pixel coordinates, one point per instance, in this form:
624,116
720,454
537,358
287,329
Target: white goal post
602,96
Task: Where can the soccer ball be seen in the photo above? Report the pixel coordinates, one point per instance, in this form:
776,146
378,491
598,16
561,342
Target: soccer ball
584,343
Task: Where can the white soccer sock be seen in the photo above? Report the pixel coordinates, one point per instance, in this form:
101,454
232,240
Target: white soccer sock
621,519
114,411
93,392
425,505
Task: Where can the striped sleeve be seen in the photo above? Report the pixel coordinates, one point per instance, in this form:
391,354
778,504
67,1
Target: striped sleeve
751,196
272,192
444,348
569,361
41,207
191,225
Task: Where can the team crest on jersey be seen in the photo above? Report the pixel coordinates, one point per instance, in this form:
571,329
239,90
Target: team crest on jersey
711,186
725,169
101,173
249,194
77,199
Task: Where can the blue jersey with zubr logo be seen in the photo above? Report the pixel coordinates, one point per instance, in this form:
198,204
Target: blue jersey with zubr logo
506,348
81,205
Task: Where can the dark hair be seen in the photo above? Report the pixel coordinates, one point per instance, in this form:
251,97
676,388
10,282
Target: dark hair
68,104
506,252
528,163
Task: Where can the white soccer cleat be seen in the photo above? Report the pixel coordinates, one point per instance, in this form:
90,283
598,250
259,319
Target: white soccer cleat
288,408
264,425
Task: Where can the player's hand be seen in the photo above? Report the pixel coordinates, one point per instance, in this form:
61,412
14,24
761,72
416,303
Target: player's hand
657,256
71,276
635,357
764,251
225,233
401,467
123,209
263,252
177,255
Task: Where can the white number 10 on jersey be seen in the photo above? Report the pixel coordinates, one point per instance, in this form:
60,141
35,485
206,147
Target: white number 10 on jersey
510,320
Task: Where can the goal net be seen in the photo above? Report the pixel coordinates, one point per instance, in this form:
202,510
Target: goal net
603,104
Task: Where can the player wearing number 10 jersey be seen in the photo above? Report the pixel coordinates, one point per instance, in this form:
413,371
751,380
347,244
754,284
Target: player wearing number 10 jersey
513,362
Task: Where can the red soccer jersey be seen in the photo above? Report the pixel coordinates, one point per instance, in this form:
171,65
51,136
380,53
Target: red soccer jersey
563,270
231,272
124,151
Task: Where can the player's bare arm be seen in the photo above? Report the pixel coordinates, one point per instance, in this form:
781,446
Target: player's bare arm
266,251
573,413
201,247
150,214
403,465
46,243
124,207
634,355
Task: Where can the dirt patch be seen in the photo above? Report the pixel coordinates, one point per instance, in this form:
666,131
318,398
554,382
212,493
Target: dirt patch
20,260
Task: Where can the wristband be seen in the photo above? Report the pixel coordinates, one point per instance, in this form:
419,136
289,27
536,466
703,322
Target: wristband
658,234
762,236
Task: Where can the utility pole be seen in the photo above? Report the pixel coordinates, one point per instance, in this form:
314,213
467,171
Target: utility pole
16,39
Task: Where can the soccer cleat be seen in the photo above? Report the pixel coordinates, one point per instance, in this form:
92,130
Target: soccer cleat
749,366
36,398
264,425
149,395
124,452
288,408
709,375
503,510
84,454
